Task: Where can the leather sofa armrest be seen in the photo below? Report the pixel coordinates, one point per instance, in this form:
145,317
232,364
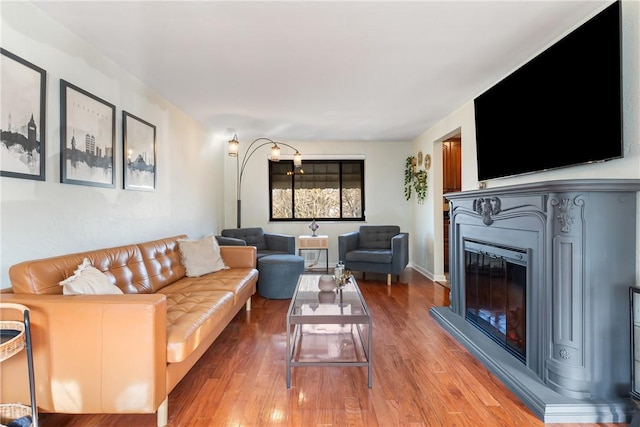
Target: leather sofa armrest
93,353
280,242
239,256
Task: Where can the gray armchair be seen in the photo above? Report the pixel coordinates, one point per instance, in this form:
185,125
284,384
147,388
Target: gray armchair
265,243
376,249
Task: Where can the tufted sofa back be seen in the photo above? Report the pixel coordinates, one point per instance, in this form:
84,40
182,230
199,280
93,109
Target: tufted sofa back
377,236
136,269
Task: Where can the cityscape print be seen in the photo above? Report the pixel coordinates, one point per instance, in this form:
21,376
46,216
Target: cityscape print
88,133
22,102
139,153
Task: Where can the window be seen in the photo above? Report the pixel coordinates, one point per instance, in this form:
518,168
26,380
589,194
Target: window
320,189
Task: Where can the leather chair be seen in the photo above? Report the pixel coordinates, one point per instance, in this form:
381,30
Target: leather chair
376,249
265,243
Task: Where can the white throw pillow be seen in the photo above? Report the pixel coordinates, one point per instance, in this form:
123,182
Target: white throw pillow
88,280
201,256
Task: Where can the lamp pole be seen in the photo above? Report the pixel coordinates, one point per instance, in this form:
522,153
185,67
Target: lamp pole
275,157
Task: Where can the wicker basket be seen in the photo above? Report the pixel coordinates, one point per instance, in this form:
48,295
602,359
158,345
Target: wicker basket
15,344
12,411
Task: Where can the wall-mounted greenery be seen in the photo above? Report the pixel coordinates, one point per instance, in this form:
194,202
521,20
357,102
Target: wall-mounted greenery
414,180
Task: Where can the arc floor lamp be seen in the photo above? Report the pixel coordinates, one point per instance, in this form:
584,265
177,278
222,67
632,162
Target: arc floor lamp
233,151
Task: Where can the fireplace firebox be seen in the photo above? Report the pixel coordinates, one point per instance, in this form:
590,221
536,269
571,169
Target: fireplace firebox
496,294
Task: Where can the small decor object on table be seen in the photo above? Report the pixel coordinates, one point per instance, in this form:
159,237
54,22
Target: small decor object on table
343,279
338,270
326,283
314,226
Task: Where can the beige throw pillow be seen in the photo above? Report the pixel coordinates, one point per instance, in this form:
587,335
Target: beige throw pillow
201,256
88,280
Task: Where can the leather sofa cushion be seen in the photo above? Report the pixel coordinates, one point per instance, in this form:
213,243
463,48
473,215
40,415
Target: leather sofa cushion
232,280
193,313
196,306
163,261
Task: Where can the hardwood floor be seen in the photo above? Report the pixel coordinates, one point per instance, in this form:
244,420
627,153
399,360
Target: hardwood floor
421,375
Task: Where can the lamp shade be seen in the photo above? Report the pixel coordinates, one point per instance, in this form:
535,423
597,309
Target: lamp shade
275,153
233,147
297,159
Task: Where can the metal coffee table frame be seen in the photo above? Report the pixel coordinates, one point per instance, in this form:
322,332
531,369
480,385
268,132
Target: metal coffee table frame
344,311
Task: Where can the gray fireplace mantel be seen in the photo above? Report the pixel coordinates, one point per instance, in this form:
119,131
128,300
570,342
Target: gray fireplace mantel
581,235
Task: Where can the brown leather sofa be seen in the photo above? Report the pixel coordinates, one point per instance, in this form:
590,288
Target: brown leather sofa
122,353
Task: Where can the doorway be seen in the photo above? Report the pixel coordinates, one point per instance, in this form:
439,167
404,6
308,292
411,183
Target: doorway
451,183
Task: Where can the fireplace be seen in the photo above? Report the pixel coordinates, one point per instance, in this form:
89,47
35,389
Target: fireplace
495,294
539,277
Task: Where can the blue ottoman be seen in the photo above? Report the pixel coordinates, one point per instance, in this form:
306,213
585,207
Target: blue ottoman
279,275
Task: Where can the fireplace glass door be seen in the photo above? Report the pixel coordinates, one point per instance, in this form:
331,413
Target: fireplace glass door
495,294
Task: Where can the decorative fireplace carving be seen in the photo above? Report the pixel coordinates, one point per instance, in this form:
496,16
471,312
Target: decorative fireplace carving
564,208
581,237
487,207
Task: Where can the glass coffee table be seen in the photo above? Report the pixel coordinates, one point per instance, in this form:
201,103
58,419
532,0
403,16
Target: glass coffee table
328,328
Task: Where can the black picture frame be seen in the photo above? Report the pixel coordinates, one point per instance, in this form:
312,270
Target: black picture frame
87,138
23,93
139,153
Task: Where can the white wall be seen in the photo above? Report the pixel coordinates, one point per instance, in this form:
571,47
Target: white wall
427,247
384,187
39,219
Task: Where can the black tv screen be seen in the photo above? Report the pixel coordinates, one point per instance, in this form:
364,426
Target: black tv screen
562,108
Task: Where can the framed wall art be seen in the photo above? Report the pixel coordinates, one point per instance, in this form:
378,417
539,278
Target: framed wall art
87,138
22,122
139,154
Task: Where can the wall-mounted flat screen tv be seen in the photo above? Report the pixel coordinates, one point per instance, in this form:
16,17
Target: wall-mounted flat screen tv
562,108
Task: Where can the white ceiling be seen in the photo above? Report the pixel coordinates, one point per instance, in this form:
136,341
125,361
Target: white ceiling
322,70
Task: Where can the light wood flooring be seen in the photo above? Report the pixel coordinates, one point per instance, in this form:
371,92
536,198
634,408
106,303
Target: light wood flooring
421,375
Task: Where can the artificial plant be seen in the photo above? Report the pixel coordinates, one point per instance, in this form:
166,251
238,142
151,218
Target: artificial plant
414,180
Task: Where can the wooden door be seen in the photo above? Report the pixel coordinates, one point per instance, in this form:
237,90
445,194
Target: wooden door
451,166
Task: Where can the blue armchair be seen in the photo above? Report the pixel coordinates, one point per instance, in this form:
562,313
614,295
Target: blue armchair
376,249
265,243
